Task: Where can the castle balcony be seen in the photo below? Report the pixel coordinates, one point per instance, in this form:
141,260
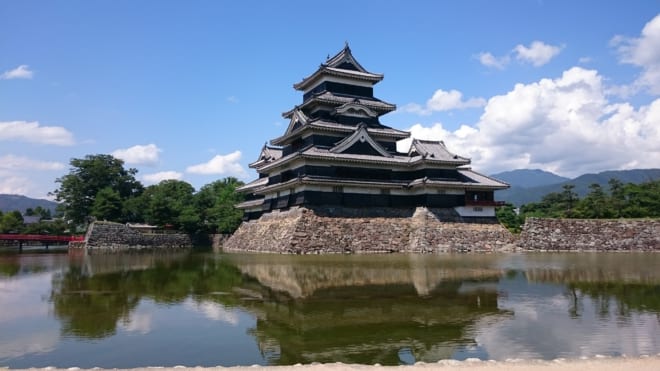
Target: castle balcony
484,203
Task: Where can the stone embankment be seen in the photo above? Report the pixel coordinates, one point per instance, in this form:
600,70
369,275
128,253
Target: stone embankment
590,234
345,230
109,238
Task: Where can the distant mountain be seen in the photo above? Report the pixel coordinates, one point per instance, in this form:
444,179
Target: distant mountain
21,203
528,178
520,195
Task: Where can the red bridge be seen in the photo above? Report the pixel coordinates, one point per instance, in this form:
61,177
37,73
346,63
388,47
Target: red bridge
43,238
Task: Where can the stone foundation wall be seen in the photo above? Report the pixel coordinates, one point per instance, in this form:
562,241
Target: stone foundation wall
217,240
108,238
590,234
372,230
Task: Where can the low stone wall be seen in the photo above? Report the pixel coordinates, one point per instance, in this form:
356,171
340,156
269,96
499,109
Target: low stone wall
590,234
217,240
373,230
108,238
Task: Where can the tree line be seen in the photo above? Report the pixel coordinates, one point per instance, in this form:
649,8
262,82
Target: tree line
14,222
99,187
618,201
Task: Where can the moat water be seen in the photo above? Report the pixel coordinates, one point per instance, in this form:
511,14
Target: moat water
215,309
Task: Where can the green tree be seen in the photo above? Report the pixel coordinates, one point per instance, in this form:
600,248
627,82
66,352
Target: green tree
216,204
642,200
554,204
624,201
134,209
166,201
569,197
89,175
11,222
189,219
56,226
595,204
38,211
508,217
107,205
617,197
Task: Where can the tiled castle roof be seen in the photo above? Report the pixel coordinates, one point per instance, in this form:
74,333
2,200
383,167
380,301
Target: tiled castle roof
343,64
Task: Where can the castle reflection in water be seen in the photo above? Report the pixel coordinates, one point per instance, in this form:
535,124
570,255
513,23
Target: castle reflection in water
387,309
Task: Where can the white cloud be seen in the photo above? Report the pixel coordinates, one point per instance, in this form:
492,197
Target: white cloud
11,162
20,72
565,125
220,165
455,140
139,154
502,337
232,99
489,60
212,311
585,60
33,132
444,101
140,323
643,52
160,176
14,185
538,53
27,308
27,181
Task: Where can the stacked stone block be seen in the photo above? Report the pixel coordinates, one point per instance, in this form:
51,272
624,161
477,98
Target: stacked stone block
375,230
108,238
591,234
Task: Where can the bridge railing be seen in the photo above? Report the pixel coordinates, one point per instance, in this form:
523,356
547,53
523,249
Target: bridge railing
39,237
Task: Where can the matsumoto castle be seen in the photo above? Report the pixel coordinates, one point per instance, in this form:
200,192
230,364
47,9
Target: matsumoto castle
336,152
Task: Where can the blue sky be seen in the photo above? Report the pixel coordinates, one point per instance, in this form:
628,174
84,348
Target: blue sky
192,90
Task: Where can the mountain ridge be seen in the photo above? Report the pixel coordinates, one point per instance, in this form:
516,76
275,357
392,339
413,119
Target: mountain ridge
12,202
528,178
519,194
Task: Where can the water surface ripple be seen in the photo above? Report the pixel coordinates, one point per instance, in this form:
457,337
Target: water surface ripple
208,310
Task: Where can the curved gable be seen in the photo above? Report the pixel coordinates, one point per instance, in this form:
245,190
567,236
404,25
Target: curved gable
360,143
298,119
355,109
345,60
